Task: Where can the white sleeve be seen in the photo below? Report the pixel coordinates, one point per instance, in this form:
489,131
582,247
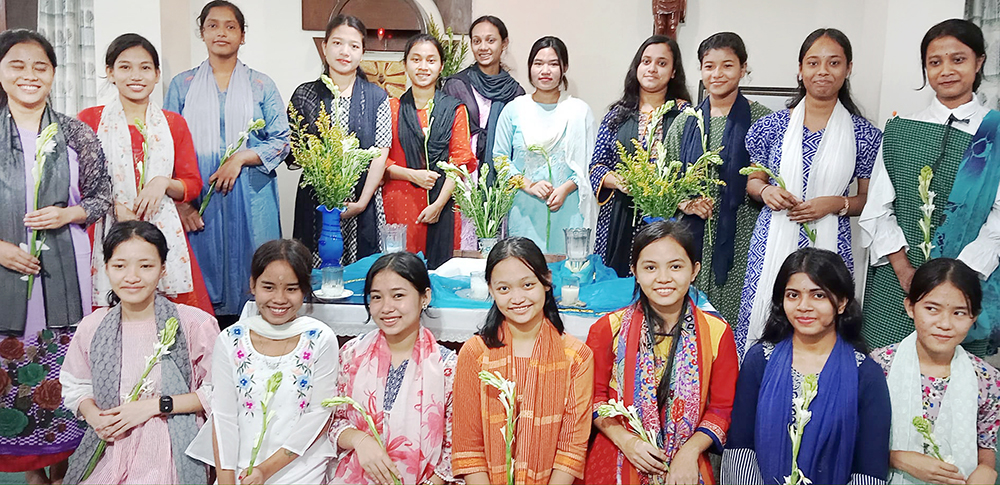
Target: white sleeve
225,403
983,254
324,378
880,232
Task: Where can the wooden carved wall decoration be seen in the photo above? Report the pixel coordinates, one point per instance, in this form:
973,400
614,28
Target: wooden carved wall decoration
390,75
667,15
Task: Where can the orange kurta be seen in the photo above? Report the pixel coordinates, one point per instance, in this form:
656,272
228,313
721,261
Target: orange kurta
185,170
403,201
565,428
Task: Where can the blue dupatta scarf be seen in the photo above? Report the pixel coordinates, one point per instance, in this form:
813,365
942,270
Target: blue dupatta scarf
826,454
735,156
969,205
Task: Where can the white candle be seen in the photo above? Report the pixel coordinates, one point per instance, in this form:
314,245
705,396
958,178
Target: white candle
570,294
480,291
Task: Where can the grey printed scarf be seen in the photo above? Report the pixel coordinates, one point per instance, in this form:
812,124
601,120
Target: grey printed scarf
175,377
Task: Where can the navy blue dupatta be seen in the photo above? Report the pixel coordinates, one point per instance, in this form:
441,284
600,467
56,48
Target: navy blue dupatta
826,454
735,156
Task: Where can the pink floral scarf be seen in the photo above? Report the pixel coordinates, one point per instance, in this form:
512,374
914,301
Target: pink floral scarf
414,430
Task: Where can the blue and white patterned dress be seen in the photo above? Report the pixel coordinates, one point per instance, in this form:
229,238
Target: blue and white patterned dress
764,144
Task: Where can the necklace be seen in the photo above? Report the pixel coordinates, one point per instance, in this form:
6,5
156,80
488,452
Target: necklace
263,343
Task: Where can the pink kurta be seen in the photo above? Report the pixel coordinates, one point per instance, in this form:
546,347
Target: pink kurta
143,455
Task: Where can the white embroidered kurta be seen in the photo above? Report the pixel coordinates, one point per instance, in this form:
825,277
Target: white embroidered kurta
880,232
239,376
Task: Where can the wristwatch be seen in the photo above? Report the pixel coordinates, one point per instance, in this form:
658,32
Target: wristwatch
166,404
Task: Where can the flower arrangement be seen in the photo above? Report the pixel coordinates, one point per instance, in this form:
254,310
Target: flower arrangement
810,232
508,397
484,203
927,209
252,126
168,336
802,415
139,125
658,186
270,389
44,145
454,50
337,401
548,163
615,409
332,162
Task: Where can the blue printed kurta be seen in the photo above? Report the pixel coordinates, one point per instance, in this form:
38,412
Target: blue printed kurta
764,144
249,214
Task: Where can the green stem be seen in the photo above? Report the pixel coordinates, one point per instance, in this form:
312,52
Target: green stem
208,197
92,464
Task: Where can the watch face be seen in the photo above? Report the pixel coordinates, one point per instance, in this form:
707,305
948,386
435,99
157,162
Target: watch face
166,404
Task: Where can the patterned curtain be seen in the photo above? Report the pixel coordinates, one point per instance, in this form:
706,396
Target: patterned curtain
69,26
986,14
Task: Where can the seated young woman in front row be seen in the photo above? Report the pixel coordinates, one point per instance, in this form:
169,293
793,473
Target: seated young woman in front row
931,376
684,376
402,377
813,332
523,340
108,354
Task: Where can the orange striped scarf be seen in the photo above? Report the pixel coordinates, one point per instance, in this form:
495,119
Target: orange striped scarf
541,404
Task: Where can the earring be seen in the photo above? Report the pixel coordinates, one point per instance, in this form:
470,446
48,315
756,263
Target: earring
426,305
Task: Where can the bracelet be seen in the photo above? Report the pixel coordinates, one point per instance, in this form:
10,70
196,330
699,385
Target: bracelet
762,189
846,208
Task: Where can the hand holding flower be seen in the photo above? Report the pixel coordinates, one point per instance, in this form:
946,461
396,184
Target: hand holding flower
149,199
925,468
779,199
541,189
122,419
374,460
17,259
701,207
644,457
53,217
683,468
425,179
814,209
225,176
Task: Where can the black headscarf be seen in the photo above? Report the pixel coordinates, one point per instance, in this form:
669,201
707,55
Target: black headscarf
500,89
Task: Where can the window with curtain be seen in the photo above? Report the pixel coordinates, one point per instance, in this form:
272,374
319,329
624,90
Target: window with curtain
986,14
69,26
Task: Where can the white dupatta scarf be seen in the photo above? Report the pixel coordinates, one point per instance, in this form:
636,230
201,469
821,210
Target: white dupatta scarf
831,172
955,426
566,127
113,131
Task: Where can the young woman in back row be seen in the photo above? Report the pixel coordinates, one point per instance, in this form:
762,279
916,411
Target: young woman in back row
150,169
549,138
723,59
655,77
365,108
428,126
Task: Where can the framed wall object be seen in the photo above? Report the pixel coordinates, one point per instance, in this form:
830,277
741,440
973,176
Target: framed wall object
771,96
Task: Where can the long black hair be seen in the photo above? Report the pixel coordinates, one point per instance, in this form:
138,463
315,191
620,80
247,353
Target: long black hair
407,265
844,95
528,253
648,235
939,271
127,41
290,251
676,87
350,21
827,270
561,52
10,38
966,32
125,231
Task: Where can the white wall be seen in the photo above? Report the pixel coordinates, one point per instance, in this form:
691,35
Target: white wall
602,37
115,17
